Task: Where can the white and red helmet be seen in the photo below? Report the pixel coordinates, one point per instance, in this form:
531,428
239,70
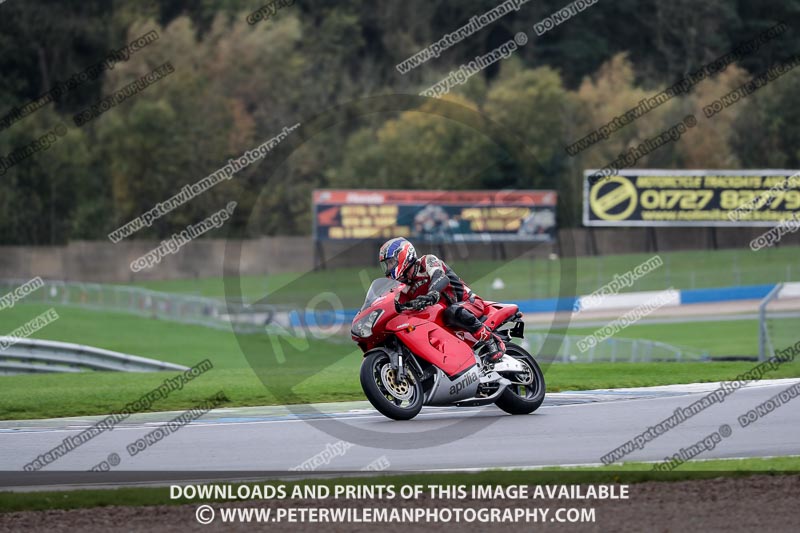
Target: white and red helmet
396,257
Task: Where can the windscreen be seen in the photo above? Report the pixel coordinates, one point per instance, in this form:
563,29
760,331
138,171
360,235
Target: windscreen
378,288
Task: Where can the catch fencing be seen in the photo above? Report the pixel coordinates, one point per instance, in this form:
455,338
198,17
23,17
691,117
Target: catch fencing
779,314
610,350
186,309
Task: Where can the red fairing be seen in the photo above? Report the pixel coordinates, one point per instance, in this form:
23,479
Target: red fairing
386,304
497,313
424,332
430,340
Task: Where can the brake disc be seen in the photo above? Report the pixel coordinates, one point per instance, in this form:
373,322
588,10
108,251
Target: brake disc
401,390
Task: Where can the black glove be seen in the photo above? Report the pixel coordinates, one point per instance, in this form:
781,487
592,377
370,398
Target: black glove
418,304
432,296
421,302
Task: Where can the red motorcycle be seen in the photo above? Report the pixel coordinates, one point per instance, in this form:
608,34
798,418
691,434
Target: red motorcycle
412,359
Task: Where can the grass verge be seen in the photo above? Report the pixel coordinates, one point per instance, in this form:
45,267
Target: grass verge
323,371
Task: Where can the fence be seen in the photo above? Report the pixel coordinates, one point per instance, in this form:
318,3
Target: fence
245,318
611,350
187,309
778,318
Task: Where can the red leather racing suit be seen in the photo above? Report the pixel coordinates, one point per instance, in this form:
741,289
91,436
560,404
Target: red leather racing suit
430,276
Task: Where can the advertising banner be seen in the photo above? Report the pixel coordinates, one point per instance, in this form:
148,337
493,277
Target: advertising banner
690,197
435,216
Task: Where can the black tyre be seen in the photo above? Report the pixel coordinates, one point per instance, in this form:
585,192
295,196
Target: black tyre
523,399
396,400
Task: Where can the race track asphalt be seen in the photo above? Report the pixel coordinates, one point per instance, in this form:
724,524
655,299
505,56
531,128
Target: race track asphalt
569,429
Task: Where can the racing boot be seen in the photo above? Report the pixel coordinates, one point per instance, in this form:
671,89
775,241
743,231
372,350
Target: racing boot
489,347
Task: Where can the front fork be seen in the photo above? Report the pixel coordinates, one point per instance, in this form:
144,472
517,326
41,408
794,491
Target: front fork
396,359
401,358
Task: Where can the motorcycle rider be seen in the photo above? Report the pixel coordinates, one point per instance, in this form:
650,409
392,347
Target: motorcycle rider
428,279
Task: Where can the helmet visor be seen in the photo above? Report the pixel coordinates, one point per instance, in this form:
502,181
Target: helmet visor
389,265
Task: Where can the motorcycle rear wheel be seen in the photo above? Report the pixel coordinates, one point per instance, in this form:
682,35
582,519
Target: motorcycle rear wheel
398,400
523,399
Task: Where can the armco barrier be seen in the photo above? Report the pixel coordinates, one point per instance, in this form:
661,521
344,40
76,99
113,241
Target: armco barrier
25,356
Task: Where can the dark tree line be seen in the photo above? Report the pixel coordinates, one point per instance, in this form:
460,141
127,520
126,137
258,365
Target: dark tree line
236,85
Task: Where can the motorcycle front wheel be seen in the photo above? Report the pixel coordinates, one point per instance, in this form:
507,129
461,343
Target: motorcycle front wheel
393,398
